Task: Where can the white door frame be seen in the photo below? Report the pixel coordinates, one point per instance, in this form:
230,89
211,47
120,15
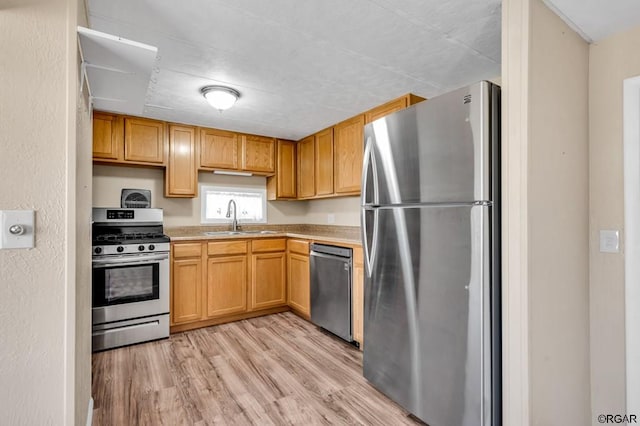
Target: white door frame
632,240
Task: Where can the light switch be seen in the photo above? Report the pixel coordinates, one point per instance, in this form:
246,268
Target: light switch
331,218
17,229
609,241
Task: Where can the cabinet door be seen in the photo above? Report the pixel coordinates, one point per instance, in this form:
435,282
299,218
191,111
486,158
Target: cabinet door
299,283
226,285
107,136
357,297
348,142
144,140
306,167
268,280
392,106
219,149
181,174
286,169
258,154
186,300
324,162
385,109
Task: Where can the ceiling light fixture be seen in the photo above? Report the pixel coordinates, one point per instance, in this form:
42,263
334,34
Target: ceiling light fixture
220,97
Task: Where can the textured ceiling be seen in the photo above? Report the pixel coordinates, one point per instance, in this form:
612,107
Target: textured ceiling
597,19
303,65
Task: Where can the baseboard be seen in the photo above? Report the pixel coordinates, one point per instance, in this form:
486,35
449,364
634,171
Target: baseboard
90,412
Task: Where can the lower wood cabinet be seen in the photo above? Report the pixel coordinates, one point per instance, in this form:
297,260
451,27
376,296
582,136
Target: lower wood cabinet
299,279
226,280
186,283
268,283
357,297
226,285
268,273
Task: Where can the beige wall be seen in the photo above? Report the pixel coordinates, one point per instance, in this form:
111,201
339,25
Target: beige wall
611,61
545,226
558,221
83,277
109,180
37,171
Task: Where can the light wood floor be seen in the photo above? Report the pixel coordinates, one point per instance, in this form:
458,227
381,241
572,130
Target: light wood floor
273,370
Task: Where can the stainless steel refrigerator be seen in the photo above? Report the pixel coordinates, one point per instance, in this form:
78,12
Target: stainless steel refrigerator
431,233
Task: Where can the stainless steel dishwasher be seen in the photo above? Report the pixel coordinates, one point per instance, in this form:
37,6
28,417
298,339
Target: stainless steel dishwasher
331,289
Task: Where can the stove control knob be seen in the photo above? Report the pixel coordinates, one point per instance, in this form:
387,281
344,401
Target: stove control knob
97,250
152,247
120,249
140,248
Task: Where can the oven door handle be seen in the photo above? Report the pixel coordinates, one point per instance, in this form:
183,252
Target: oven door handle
96,263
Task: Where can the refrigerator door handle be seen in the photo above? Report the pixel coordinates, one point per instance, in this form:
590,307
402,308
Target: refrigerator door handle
369,252
369,162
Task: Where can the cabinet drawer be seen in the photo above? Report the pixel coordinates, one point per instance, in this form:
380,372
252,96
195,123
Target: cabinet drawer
279,244
227,247
299,246
187,250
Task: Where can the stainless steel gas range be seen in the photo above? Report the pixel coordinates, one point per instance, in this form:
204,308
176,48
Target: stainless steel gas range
130,277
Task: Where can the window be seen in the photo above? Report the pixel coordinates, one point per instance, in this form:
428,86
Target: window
251,204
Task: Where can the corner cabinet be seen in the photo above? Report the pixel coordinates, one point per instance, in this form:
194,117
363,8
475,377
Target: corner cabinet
324,162
348,145
282,186
306,167
181,176
268,273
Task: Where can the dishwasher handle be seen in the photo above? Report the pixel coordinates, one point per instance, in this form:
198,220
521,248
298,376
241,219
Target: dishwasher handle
332,257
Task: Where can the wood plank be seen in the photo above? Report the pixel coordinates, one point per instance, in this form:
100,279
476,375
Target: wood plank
272,370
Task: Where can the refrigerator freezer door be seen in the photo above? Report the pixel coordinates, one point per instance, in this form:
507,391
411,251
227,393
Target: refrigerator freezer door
427,312
436,151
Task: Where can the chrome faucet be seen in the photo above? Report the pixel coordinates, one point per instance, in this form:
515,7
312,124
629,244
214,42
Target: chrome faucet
234,224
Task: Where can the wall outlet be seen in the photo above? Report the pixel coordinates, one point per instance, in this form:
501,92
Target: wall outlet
331,218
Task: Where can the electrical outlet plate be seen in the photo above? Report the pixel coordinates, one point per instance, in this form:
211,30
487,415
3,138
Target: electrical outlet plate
331,218
22,218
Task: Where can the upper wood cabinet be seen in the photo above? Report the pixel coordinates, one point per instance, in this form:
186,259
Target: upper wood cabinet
108,132
181,174
324,162
348,146
219,149
283,184
306,167
392,106
258,154
144,140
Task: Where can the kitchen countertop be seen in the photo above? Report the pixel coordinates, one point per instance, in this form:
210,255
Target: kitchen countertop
326,233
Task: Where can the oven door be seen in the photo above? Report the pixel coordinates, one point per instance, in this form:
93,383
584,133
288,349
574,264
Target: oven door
130,286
